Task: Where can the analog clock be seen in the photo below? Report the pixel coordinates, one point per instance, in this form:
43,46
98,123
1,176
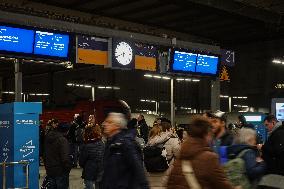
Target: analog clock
123,53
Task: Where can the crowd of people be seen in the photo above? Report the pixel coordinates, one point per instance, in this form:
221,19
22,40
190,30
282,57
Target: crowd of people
123,151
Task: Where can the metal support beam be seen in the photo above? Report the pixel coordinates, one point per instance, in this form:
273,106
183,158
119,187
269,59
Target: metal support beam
14,18
172,102
243,10
93,94
215,95
18,81
230,104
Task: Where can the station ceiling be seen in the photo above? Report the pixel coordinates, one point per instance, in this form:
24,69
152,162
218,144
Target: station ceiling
222,21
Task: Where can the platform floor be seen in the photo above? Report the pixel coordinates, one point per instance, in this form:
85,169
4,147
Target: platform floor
76,182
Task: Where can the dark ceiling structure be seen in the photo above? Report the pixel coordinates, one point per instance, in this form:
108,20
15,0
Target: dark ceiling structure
226,22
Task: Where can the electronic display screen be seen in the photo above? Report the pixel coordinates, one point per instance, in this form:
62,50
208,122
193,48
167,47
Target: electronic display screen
16,39
280,111
184,61
207,64
51,44
254,118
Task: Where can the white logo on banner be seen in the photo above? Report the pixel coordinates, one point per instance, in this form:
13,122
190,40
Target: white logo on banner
4,124
26,122
27,149
6,150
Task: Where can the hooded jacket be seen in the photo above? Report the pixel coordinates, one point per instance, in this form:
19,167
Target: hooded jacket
254,170
56,157
205,164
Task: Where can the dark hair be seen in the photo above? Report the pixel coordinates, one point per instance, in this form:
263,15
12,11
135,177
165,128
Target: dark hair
92,133
132,123
142,116
199,126
166,126
270,118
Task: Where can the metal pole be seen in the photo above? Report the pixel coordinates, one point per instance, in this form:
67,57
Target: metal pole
18,81
215,95
93,94
230,104
4,175
156,108
172,102
27,175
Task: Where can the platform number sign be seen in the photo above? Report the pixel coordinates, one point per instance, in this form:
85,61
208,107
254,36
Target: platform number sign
228,58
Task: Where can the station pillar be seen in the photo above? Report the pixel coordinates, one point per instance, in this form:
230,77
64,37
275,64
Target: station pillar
19,141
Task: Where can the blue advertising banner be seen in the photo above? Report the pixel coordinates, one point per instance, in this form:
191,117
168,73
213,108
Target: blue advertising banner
19,141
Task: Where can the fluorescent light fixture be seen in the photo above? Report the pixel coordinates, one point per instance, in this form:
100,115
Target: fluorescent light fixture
157,76
142,100
277,61
244,106
116,88
108,87
87,86
153,101
235,105
196,80
70,84
148,75
77,85
187,79
32,94
166,78
180,79
147,100
101,87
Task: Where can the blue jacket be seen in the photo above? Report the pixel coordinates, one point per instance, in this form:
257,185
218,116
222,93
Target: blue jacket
123,166
91,160
254,170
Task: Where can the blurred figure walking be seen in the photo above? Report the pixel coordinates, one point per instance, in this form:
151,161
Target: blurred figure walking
197,155
123,166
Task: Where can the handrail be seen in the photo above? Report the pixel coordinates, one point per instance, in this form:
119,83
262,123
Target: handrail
26,165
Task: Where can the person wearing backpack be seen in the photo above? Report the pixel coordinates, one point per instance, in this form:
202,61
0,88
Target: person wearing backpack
159,154
206,171
75,137
245,166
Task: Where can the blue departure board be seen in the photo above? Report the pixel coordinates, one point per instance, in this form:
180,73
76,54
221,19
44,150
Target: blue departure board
207,64
184,61
51,44
16,39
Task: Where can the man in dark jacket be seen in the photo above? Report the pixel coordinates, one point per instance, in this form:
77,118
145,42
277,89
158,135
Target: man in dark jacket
143,128
123,166
56,157
273,149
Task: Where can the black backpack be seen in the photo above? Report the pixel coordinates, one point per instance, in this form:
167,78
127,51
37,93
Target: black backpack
154,159
79,134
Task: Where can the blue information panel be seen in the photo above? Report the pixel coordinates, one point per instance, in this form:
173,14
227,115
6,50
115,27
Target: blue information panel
16,39
207,64
51,44
19,141
184,61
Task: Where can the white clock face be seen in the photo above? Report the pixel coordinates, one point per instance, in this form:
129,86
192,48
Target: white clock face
123,53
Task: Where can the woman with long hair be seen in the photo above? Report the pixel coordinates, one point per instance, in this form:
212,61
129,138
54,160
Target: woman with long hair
91,158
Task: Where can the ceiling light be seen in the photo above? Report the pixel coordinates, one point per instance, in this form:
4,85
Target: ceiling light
142,100
70,84
180,79
108,87
196,80
187,79
166,78
148,75
277,61
156,76
87,86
